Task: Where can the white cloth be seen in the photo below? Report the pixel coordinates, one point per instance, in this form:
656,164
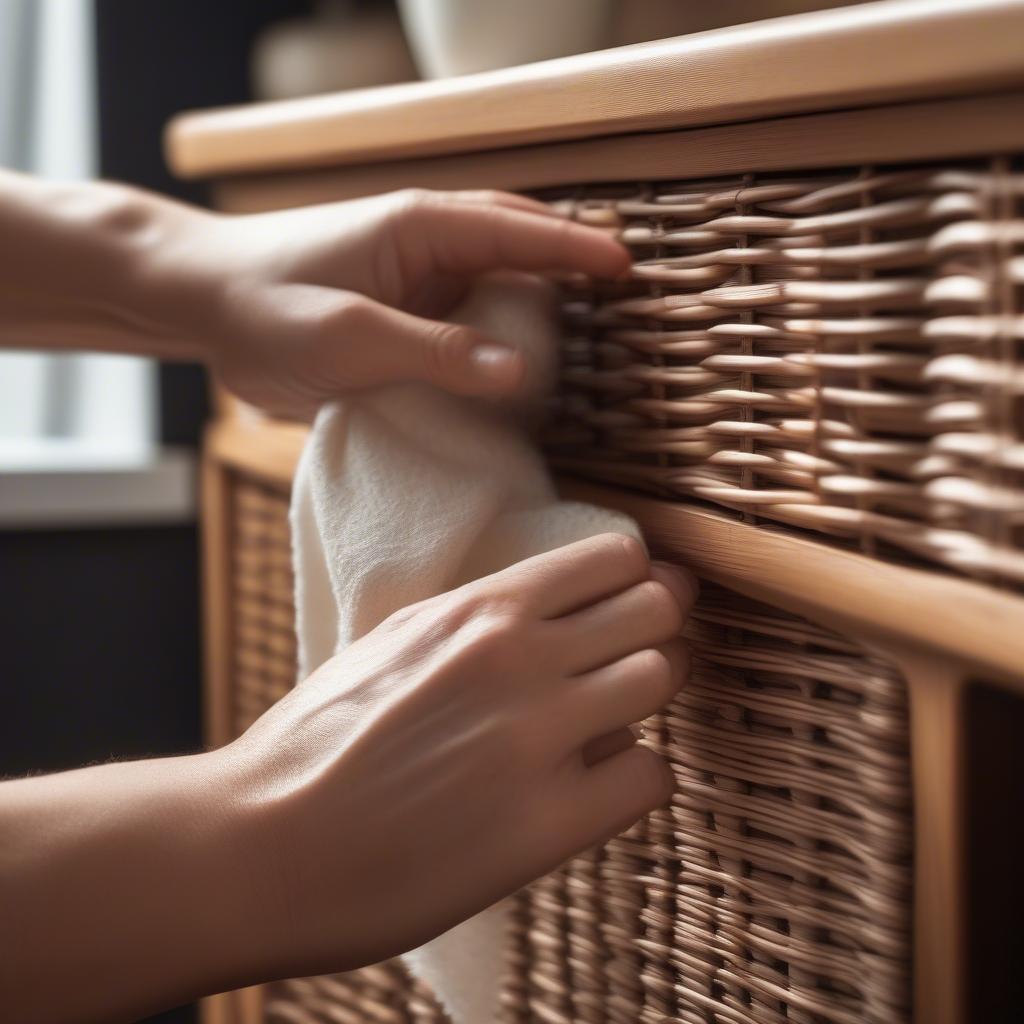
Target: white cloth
409,492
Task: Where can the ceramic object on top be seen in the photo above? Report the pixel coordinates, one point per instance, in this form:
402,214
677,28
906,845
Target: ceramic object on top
332,51
458,37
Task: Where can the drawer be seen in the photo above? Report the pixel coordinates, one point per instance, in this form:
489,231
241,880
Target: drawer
779,881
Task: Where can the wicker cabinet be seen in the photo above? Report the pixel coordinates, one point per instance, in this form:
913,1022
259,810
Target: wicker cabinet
811,393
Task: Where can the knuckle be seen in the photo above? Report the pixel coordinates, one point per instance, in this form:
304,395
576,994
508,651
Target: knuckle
656,667
632,551
411,198
399,618
488,595
566,234
349,314
454,609
660,603
626,550
428,607
445,350
500,626
410,204
491,622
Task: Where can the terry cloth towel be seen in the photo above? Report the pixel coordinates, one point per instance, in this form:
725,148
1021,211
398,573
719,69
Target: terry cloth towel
409,492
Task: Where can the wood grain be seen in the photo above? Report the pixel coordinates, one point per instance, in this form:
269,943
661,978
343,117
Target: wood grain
264,448
937,747
911,131
870,54
899,608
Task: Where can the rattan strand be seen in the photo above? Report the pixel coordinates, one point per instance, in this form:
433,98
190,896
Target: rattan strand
264,667
839,352
777,887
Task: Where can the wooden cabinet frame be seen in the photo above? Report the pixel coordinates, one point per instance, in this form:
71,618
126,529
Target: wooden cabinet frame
887,82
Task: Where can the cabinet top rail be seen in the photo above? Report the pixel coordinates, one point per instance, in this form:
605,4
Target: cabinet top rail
865,55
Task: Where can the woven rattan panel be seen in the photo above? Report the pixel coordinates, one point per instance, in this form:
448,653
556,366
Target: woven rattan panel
777,887
840,352
264,667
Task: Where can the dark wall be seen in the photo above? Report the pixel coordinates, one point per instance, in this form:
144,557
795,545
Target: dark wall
99,627
995,834
100,644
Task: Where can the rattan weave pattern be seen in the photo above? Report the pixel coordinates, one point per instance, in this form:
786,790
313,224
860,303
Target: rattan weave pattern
842,352
777,886
264,669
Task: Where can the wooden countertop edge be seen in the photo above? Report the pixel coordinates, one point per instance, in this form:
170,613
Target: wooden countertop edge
898,607
865,55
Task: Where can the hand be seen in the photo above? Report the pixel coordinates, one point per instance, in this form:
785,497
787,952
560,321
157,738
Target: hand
299,306
291,308
466,746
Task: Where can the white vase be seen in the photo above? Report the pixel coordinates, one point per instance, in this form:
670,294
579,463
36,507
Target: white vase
458,37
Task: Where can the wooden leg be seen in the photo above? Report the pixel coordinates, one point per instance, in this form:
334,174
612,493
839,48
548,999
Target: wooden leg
250,1005
218,1009
937,745
215,499
245,1006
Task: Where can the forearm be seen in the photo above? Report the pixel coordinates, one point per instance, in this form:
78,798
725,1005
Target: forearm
124,889
79,269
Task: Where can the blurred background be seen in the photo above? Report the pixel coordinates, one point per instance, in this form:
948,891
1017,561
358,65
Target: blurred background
98,546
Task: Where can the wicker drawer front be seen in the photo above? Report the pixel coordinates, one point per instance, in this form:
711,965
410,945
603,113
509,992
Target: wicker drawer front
777,886
840,352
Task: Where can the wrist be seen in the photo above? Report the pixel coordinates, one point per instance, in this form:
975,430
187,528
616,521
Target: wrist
134,257
256,811
233,911
172,286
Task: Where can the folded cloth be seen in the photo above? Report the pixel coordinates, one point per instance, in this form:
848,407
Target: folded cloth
409,492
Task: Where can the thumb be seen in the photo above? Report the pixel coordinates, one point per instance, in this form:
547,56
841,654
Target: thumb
374,344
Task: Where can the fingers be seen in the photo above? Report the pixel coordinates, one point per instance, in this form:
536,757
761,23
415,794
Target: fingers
646,615
609,796
628,690
561,581
470,237
491,197
365,344
608,745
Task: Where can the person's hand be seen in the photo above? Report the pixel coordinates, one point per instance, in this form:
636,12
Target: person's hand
292,308
464,747
296,307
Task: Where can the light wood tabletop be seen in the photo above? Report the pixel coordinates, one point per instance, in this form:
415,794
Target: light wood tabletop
860,56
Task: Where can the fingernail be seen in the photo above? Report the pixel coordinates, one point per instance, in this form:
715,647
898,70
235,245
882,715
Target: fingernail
495,363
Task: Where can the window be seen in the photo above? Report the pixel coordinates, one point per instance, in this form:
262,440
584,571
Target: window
61,409
67,414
